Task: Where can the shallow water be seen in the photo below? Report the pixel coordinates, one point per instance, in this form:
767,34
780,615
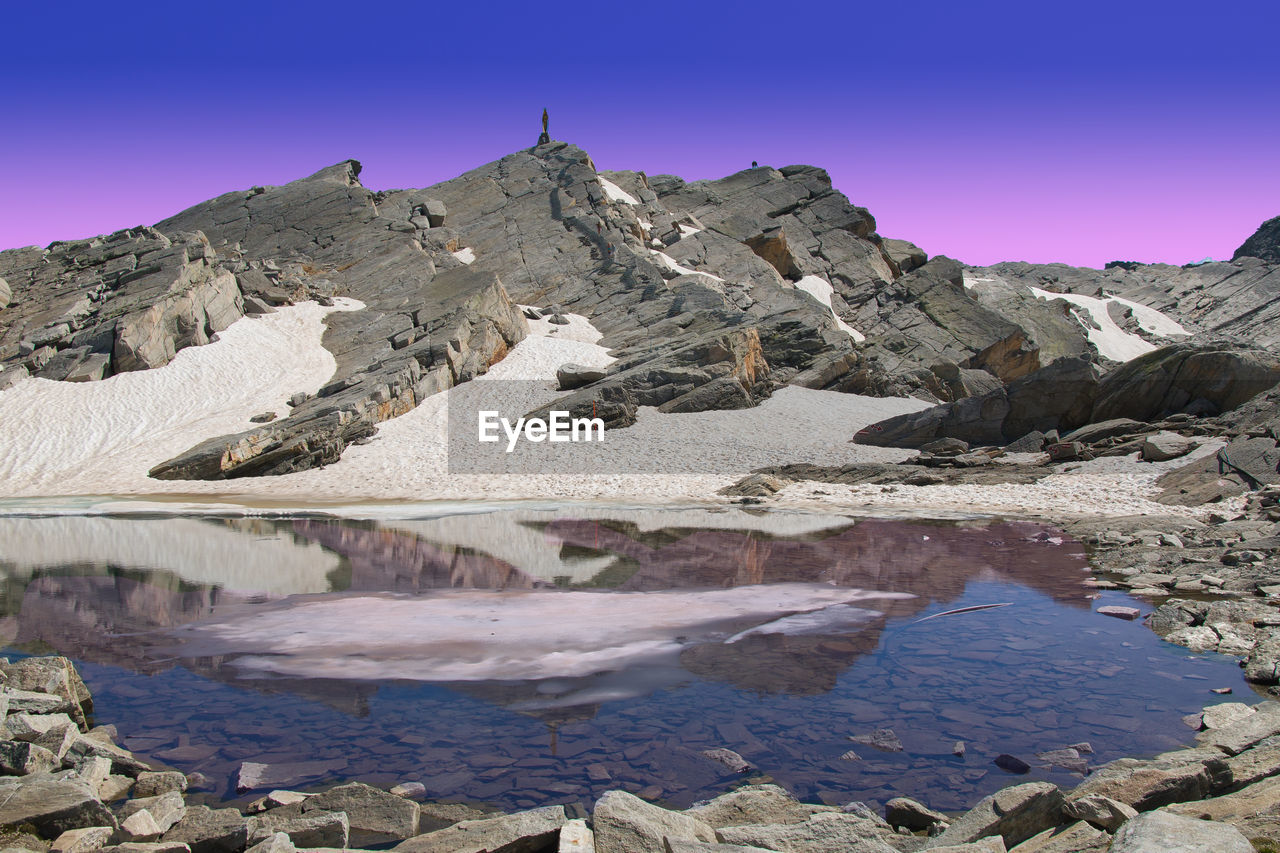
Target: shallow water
524,657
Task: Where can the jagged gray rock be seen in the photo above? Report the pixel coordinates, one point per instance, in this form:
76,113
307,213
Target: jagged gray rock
1263,243
1015,814
755,804
828,832
375,816
625,823
51,804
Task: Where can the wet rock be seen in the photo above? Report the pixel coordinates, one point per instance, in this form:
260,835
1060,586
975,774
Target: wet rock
51,804
627,824
207,830
1102,812
906,812
832,832
1015,814
883,739
410,790
1163,832
375,816
523,832
571,376
1198,639
730,759
755,804
1119,612
254,775
1011,764
315,828
82,840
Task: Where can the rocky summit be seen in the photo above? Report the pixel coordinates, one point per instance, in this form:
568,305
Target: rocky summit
710,294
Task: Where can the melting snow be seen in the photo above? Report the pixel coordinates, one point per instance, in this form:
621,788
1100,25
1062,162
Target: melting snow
1112,341
820,289
103,437
670,263
482,635
615,192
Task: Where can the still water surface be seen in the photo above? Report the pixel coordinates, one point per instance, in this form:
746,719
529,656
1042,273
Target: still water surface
524,657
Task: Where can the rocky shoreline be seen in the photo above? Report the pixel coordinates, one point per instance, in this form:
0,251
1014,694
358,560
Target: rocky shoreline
68,788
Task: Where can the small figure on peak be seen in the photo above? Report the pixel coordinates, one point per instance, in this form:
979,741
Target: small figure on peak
754,164
545,137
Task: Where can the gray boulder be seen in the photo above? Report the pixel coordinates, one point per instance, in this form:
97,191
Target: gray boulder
1169,379
207,830
523,832
755,804
1162,832
315,828
1164,446
625,823
906,812
375,816
1015,814
1100,811
51,804
833,832
571,376
18,758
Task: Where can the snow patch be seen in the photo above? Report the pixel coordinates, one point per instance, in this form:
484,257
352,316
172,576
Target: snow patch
615,192
466,255
103,437
482,635
820,289
688,230
1111,341
671,264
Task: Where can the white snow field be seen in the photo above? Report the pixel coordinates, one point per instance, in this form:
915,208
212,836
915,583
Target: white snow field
103,437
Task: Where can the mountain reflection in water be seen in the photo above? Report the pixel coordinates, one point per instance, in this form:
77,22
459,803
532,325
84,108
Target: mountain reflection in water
625,631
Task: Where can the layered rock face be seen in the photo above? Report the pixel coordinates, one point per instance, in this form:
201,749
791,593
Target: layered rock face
710,294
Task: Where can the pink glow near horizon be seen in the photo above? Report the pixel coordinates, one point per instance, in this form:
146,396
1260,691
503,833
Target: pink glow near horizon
981,203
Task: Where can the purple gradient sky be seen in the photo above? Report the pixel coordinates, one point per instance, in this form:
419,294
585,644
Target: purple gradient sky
989,131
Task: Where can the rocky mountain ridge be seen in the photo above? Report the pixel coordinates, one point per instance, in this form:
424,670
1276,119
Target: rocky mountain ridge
710,294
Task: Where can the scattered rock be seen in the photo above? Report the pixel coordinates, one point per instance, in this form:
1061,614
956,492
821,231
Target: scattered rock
1164,446
1119,612
207,830
906,812
51,804
1011,764
1102,812
82,840
883,739
571,376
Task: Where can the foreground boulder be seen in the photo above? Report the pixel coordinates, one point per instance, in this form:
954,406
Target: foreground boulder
755,804
625,823
375,816
523,832
1015,814
828,832
1162,832
51,805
